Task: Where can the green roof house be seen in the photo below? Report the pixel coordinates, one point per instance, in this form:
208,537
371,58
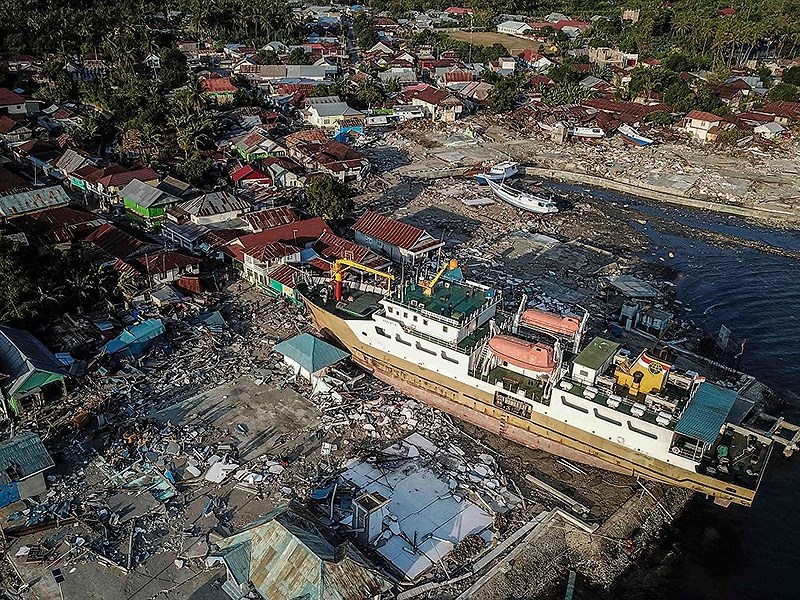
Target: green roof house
146,201
309,356
28,370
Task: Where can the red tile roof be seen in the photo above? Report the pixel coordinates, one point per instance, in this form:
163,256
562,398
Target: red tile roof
457,76
330,247
389,230
163,262
270,218
429,95
457,10
8,97
11,181
703,116
7,124
789,110
297,233
94,174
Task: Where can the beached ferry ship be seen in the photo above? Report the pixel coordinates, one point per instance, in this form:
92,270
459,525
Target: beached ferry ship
528,377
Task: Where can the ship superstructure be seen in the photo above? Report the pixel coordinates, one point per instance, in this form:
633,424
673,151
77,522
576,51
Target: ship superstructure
525,377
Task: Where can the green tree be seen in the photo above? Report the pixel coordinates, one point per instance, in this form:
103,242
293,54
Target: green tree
174,72
506,92
792,76
298,56
680,96
267,56
328,198
197,169
783,92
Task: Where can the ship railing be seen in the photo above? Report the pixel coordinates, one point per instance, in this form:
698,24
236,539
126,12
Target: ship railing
432,338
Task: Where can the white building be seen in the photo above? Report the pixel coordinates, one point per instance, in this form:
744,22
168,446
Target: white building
514,28
327,111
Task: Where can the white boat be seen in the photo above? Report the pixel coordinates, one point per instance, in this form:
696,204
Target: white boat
522,200
630,135
587,132
498,172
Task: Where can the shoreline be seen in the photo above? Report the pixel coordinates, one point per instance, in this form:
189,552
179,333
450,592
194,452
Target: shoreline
647,192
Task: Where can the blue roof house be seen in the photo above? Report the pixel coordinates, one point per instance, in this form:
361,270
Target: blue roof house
23,461
308,356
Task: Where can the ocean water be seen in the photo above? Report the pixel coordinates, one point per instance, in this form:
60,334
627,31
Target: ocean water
717,553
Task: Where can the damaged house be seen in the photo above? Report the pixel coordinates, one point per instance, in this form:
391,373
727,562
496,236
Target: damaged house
29,372
284,555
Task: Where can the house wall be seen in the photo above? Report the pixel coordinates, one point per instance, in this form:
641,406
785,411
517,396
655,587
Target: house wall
220,218
13,109
34,485
698,128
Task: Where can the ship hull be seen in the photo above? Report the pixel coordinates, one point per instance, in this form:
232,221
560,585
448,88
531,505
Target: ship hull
476,406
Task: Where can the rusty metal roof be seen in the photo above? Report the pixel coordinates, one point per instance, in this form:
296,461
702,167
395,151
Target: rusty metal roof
32,200
396,233
287,557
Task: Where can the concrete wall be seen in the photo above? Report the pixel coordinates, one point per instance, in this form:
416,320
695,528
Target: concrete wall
32,486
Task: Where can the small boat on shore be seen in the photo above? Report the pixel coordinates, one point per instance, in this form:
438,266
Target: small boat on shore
522,200
498,172
630,135
587,132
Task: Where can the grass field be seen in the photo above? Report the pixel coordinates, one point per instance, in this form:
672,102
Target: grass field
487,38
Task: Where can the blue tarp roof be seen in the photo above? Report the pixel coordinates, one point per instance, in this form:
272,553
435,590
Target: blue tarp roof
707,411
311,353
135,338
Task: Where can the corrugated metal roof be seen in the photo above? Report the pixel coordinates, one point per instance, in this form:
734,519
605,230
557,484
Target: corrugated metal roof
32,200
214,203
27,452
118,243
21,354
707,411
271,217
388,230
311,353
289,558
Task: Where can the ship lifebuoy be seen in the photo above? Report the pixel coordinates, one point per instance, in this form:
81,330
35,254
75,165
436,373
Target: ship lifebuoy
675,450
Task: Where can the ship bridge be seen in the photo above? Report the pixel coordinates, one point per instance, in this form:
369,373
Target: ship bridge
450,311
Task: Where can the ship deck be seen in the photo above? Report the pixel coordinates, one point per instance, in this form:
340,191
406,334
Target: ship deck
452,300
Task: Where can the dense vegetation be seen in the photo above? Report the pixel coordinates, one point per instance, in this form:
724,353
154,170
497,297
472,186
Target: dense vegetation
34,290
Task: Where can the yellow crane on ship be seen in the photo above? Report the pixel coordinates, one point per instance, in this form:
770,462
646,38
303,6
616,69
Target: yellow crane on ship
342,265
428,286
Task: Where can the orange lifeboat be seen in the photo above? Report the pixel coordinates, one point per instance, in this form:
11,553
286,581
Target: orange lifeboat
551,322
525,355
